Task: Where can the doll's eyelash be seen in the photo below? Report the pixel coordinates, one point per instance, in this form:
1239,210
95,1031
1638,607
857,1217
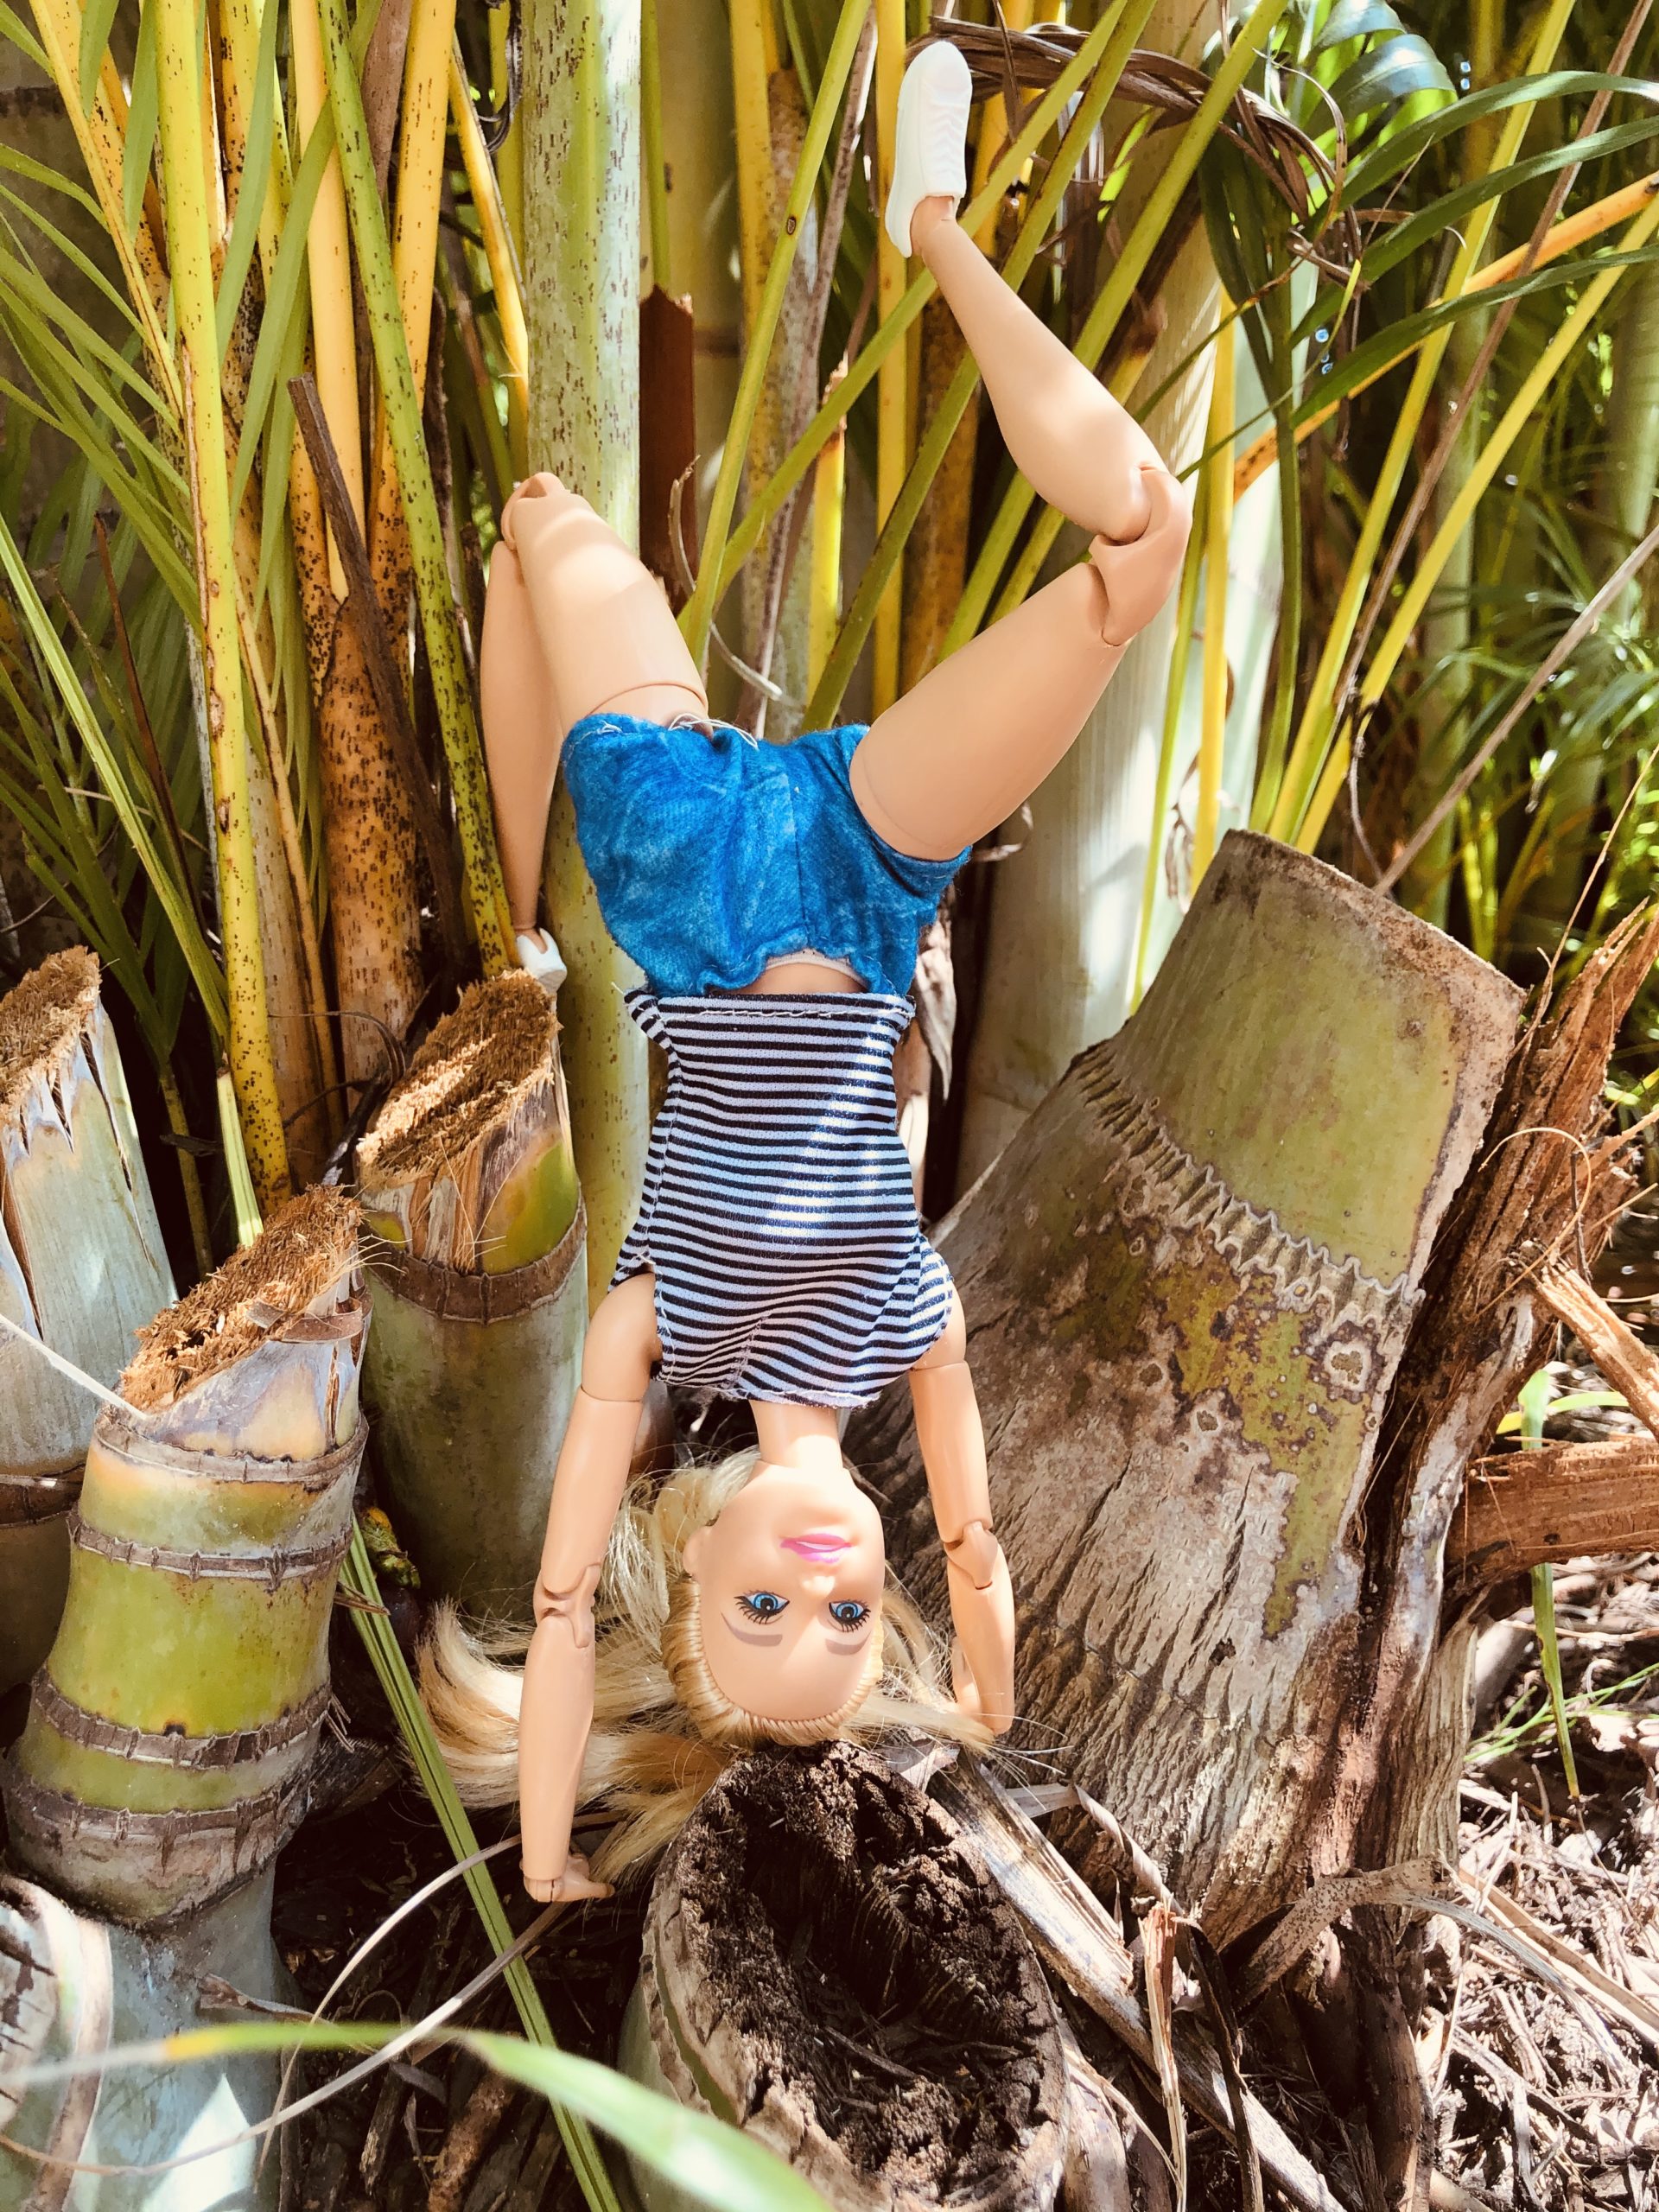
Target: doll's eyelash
763,1606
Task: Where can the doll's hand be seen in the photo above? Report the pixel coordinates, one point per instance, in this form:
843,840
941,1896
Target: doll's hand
574,1884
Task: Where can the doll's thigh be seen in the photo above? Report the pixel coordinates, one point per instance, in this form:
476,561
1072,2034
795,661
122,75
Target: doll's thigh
950,1347
622,1345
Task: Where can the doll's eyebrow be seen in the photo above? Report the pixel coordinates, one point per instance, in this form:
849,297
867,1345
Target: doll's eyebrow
753,1635
836,1639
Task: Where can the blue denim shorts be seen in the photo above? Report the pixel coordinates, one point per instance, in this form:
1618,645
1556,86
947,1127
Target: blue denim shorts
713,854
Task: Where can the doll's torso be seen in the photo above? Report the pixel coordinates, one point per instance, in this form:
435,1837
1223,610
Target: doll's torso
722,864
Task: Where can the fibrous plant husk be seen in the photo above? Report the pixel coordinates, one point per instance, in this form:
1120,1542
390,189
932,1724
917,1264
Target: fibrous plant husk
172,1727
829,1966
466,1165
479,1289
82,1265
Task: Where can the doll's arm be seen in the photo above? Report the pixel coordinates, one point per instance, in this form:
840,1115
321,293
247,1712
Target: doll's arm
952,1441
558,1711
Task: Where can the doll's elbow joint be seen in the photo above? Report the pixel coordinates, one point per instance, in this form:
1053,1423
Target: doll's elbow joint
573,1607
977,1553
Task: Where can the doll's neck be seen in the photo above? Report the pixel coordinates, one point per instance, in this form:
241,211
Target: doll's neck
803,1436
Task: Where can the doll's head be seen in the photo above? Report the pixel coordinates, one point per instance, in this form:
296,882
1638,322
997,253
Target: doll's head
670,1682
774,1630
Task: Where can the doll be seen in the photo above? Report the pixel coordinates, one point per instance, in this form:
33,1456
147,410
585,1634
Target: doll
774,895
663,1731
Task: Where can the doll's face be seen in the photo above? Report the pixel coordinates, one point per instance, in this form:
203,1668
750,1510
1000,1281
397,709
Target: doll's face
789,1582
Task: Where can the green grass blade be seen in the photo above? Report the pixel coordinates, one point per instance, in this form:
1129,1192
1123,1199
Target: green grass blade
143,122
357,1575
710,2160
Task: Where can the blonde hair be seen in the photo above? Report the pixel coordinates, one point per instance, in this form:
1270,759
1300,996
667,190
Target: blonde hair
664,1731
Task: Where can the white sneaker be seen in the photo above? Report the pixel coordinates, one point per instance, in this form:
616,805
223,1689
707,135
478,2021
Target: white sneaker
930,143
539,956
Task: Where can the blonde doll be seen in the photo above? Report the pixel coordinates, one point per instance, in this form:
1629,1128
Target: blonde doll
663,1729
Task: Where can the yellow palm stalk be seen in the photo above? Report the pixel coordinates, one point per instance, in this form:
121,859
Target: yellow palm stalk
1280,806
893,379
328,258
413,263
1218,468
824,590
500,251
1385,659
751,101
178,68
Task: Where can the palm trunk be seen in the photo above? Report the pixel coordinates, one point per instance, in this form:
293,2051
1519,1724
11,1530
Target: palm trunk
1186,1369
172,1729
479,1294
581,221
73,1986
82,1266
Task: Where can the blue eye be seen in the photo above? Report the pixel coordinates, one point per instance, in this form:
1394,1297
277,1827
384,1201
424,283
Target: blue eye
848,1614
761,1604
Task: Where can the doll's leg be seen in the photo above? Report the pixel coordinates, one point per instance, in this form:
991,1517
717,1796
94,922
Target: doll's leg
958,754
952,1440
557,1710
1076,446
573,623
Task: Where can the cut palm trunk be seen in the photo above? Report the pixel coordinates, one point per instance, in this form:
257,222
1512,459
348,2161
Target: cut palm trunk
71,1986
829,1966
172,1729
479,1290
82,1268
1203,1255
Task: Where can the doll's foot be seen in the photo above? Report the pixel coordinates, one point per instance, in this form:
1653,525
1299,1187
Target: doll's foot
930,143
539,956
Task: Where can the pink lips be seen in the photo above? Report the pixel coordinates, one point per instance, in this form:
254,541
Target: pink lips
817,1544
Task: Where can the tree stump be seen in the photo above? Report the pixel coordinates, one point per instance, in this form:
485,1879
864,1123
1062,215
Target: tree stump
827,1965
